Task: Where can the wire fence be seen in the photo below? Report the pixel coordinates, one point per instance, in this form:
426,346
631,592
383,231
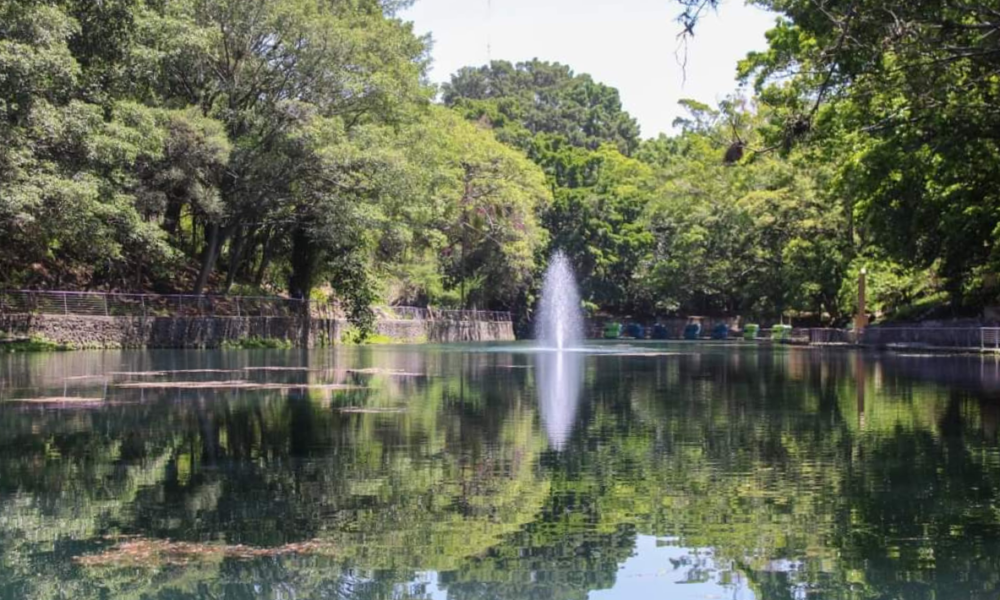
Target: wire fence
96,304
411,313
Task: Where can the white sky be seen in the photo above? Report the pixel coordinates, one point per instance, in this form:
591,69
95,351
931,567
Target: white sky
628,44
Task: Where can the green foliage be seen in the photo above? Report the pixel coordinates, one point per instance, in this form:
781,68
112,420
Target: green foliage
35,344
762,238
890,287
576,131
256,343
353,336
905,92
139,150
536,97
596,219
478,202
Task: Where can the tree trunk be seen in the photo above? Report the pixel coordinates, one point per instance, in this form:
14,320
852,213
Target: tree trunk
172,217
235,258
305,258
216,237
265,261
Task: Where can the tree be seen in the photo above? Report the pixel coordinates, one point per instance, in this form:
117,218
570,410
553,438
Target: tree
596,219
908,90
257,64
756,238
72,202
484,198
536,97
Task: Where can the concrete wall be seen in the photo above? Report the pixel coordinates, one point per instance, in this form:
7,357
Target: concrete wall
212,332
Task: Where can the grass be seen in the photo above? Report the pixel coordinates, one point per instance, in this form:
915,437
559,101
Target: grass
928,307
255,343
33,344
352,338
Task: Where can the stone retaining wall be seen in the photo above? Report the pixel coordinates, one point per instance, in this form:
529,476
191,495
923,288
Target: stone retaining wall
212,332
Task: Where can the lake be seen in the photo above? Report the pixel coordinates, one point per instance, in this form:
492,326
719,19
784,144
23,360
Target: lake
475,472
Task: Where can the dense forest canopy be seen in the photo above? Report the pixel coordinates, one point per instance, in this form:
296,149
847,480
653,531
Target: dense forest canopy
295,147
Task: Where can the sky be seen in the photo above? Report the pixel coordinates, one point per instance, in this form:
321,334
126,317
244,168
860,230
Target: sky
628,44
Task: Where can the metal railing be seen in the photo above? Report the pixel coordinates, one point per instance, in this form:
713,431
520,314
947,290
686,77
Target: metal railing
989,338
97,304
833,336
940,337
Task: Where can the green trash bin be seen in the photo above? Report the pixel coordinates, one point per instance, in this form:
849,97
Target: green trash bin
612,331
750,331
781,333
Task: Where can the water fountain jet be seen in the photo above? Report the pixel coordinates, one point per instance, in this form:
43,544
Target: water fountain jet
559,373
560,321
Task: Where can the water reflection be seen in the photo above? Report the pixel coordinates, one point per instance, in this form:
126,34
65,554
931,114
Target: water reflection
417,473
559,377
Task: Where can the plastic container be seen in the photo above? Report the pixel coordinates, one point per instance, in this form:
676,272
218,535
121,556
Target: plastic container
750,331
720,332
781,333
692,331
612,331
660,332
635,330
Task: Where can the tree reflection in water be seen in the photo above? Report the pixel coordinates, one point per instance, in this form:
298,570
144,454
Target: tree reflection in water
794,472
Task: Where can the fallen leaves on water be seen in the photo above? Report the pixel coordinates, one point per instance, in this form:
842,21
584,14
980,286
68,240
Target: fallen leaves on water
163,373
238,384
370,411
389,372
137,373
60,400
144,552
639,354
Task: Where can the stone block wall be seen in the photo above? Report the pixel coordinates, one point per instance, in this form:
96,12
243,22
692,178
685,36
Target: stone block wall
212,332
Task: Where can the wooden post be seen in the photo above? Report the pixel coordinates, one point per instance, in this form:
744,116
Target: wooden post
861,319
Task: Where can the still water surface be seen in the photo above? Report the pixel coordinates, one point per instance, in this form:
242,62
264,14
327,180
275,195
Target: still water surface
485,472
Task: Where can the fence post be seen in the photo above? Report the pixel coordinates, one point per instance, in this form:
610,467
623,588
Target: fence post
106,312
65,305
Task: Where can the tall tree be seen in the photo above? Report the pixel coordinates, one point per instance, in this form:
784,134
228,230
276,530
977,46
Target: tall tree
535,97
909,90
